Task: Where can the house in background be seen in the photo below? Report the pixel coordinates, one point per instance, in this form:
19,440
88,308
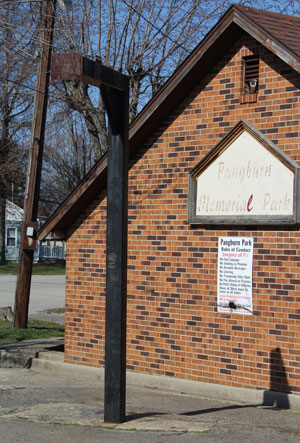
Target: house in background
13,229
47,250
230,113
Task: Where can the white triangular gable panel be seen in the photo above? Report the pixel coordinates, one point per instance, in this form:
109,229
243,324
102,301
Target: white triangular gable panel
246,179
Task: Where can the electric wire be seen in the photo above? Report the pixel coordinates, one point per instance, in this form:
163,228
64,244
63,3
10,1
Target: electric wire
84,22
154,26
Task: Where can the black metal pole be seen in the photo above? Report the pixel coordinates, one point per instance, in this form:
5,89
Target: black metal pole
115,91
116,257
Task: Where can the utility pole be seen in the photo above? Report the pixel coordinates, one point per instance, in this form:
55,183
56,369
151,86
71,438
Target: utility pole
31,201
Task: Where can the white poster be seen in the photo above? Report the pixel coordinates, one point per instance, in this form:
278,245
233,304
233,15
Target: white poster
235,260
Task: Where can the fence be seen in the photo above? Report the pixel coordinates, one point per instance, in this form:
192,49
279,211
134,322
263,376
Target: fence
49,251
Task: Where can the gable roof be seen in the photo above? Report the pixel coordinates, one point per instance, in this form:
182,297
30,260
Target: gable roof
283,30
279,33
13,212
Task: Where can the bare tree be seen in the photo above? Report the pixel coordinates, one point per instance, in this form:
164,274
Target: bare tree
16,49
68,157
144,39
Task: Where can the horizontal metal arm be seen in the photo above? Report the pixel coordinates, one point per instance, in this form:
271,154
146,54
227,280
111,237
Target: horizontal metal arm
76,67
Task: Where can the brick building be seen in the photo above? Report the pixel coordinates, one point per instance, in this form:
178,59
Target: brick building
175,327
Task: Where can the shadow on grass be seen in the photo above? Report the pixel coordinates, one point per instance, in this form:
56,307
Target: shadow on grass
46,328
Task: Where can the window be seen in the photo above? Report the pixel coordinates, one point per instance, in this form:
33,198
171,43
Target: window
251,71
11,236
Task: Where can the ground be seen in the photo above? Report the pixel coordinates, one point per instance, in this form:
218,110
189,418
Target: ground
46,407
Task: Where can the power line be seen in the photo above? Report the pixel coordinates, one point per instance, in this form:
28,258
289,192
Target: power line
74,22
154,26
24,85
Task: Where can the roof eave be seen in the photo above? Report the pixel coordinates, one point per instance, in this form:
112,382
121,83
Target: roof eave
270,42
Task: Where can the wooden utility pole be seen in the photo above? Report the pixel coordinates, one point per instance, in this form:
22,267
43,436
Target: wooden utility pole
115,92
31,201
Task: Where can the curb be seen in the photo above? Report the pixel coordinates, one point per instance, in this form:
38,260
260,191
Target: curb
17,359
21,354
50,361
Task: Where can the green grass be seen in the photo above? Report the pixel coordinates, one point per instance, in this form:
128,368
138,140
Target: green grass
38,269
35,329
56,311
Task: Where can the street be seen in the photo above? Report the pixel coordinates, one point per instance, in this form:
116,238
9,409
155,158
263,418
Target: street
47,292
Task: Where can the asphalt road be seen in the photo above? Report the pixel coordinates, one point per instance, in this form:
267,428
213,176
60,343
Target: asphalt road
47,292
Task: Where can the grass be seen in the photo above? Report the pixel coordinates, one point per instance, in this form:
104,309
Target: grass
56,311
35,329
38,269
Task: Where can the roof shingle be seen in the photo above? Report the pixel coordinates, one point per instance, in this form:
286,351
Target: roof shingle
283,28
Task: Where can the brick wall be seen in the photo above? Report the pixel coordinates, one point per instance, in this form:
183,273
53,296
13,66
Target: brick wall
173,324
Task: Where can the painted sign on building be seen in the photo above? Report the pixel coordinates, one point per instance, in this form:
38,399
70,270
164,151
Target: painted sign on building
244,179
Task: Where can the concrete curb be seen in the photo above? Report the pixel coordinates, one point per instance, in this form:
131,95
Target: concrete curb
18,359
50,361
42,362
22,353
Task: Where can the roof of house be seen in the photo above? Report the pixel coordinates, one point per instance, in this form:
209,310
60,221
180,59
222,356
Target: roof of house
13,212
279,33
